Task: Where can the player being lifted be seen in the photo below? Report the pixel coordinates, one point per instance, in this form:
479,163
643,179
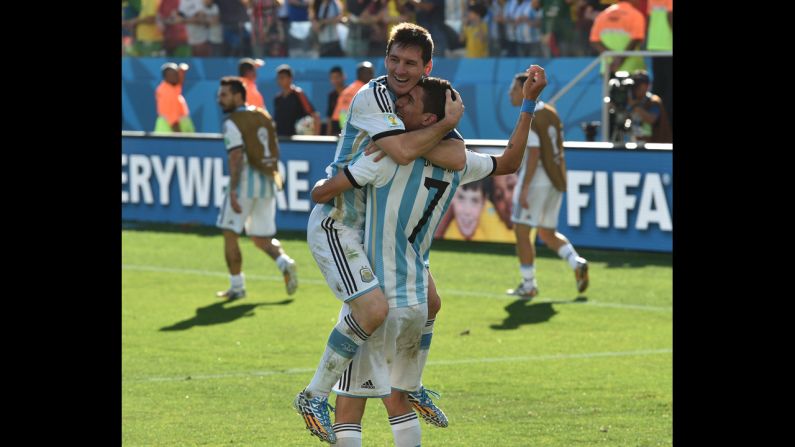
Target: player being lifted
404,207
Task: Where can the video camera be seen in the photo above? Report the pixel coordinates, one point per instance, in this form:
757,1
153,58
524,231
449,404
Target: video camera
620,88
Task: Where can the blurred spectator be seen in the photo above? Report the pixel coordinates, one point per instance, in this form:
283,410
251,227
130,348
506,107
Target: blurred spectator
430,15
268,32
291,104
172,110
476,32
496,21
509,19
649,120
376,28
300,41
528,29
619,27
331,125
129,10
203,26
397,11
247,69
358,42
660,38
234,17
148,37
558,27
175,37
587,10
325,15
364,72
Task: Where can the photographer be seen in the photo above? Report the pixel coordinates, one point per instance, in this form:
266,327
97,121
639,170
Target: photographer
647,112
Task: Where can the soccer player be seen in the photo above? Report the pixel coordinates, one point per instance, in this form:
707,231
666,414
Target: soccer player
334,230
250,139
538,195
404,207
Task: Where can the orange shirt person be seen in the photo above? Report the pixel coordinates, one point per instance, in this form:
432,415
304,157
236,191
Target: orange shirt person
364,72
247,70
172,110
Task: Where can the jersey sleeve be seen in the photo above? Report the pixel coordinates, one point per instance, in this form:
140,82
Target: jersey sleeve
454,135
373,111
232,136
478,166
364,170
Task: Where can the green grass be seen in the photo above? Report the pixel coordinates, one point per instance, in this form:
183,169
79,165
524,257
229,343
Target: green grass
558,371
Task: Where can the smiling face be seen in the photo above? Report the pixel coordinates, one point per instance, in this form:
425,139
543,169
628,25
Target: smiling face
467,205
404,68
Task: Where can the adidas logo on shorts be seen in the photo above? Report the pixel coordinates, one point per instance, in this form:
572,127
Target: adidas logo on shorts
368,385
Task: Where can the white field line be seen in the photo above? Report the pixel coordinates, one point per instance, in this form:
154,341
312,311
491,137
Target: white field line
443,291
532,358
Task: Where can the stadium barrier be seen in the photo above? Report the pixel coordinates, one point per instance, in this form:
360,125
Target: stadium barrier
617,198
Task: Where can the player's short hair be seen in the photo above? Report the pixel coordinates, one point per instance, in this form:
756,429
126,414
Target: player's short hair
335,69
434,99
235,85
410,35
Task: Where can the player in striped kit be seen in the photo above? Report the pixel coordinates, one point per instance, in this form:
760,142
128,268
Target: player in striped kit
404,207
250,202
334,230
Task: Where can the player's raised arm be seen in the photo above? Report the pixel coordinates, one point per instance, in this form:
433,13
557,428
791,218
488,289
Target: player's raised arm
511,158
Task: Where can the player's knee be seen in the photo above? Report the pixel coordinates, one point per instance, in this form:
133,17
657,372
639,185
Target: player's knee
546,235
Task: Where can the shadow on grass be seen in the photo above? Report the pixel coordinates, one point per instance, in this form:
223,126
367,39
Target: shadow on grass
220,313
526,312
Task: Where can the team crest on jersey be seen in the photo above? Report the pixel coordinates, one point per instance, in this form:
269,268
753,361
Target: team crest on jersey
366,274
391,120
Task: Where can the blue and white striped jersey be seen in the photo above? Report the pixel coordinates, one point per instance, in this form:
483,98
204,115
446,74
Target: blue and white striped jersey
404,207
371,116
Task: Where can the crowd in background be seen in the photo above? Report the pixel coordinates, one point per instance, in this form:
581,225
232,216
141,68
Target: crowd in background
359,28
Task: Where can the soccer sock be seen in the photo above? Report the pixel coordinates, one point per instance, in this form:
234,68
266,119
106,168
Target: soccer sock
406,430
238,282
282,261
528,272
344,341
425,344
568,253
348,435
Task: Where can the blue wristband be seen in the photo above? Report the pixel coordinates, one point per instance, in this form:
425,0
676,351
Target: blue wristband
529,106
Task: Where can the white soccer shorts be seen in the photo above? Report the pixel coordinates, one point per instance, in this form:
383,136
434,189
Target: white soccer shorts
389,358
545,202
340,255
258,216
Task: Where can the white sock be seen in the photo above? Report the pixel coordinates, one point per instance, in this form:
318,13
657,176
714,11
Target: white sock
343,342
282,261
348,435
238,282
406,430
425,344
528,272
569,254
